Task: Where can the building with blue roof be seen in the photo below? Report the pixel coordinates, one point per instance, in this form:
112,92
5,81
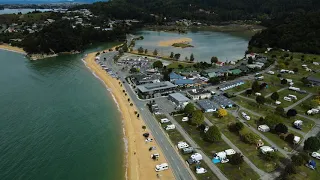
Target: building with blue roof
184,82
174,76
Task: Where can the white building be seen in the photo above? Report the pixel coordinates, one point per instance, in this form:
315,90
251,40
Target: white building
196,94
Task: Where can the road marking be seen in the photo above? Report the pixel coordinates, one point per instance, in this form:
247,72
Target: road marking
156,132
172,158
167,150
178,168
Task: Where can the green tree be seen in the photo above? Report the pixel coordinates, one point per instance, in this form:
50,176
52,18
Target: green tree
270,156
146,51
275,96
305,81
312,144
214,80
289,138
191,57
238,126
255,86
236,159
197,117
158,64
297,160
171,55
292,113
248,91
140,50
272,120
155,52
214,59
189,108
281,128
213,134
177,56
249,137
260,100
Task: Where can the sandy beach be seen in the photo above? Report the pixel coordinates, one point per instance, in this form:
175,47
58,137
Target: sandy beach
172,41
7,47
140,166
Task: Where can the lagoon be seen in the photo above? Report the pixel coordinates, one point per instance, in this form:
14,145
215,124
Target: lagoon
226,46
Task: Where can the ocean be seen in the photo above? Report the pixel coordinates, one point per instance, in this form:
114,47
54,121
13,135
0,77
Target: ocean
57,121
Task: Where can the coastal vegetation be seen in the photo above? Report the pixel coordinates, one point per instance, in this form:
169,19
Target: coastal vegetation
182,45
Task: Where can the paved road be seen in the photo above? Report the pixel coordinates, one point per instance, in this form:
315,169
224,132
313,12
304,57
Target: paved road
284,88
178,167
298,102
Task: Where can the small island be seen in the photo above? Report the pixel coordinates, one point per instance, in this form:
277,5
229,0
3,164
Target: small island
182,45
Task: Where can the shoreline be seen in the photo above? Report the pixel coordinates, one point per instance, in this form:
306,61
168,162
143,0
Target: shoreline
138,165
7,47
170,42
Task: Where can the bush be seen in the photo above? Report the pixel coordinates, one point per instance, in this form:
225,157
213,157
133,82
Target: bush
290,138
297,160
270,156
281,128
213,134
312,144
236,159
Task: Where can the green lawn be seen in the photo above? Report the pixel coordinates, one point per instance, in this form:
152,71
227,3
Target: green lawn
232,172
286,92
305,173
303,109
175,65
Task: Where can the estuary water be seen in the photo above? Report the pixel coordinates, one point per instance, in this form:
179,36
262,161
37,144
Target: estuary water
57,121
225,46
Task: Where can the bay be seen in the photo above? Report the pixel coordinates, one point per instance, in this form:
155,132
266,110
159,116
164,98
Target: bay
57,121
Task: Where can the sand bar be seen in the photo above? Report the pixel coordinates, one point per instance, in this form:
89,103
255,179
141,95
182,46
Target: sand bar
140,166
7,47
172,41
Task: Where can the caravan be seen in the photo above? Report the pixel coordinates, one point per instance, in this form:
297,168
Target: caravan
162,167
170,127
182,145
164,120
287,99
292,96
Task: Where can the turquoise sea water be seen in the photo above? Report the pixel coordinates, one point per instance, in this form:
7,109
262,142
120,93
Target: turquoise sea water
57,121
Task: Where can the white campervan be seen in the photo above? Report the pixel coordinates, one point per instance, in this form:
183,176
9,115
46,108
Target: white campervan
292,96
287,99
184,119
164,120
182,145
162,167
170,127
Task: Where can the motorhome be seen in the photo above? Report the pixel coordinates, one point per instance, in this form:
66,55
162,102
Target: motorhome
170,127
287,99
270,72
196,156
187,150
182,145
294,88
292,96
245,116
162,167
164,120
263,128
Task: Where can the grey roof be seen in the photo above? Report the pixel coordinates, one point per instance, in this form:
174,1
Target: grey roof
230,83
198,91
155,86
206,104
222,100
179,97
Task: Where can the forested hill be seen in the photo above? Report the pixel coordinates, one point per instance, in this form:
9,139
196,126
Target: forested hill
206,10
297,32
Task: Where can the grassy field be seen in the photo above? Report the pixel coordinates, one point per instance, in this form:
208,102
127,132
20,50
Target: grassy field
249,150
175,65
286,92
303,109
176,137
232,172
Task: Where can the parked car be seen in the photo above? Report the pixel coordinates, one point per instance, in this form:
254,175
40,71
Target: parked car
315,155
164,120
152,148
149,140
170,127
155,156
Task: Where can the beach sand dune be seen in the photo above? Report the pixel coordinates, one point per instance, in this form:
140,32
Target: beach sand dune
172,41
140,166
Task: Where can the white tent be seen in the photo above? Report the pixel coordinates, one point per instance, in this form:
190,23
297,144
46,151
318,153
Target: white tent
196,156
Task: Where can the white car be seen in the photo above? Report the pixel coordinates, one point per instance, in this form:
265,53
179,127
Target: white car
206,129
201,170
316,155
164,120
149,140
185,119
155,156
270,72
